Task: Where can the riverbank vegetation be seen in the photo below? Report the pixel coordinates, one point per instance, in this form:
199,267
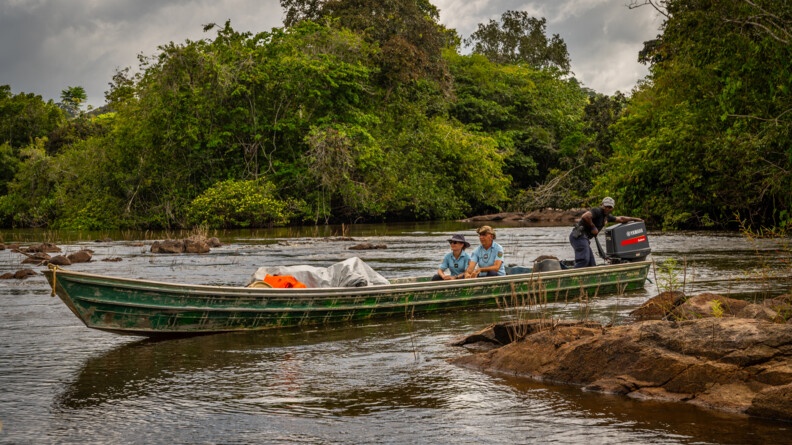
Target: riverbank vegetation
371,111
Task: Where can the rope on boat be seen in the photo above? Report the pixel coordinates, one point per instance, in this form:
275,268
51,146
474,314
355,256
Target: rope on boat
54,270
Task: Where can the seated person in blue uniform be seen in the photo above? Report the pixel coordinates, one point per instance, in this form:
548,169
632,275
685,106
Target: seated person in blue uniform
455,261
487,259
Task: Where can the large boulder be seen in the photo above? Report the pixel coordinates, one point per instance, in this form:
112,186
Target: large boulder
59,260
708,305
658,307
81,256
709,350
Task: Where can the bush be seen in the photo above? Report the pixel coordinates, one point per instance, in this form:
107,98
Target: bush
234,204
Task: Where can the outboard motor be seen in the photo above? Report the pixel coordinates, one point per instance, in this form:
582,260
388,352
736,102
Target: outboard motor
626,243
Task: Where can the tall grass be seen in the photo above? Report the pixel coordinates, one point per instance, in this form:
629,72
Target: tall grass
536,309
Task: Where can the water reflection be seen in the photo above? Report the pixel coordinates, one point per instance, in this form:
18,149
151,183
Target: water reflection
383,382
680,420
351,370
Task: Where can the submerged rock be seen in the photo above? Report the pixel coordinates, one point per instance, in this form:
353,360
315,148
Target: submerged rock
18,275
43,247
37,258
368,246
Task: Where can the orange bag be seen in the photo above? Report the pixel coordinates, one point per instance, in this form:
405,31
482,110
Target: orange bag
285,281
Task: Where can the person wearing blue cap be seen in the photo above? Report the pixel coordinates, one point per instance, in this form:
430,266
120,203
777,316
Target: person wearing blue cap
589,226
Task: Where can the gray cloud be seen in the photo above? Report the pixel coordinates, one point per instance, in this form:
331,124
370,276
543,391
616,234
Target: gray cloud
48,45
603,36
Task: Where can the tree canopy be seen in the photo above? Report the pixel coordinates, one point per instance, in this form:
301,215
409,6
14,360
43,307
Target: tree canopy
705,141
520,38
368,111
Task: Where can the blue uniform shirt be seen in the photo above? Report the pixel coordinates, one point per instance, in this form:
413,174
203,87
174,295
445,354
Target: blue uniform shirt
455,266
487,257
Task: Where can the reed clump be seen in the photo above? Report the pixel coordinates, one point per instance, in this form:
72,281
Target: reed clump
534,309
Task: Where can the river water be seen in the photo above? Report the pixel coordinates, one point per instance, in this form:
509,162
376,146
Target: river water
385,381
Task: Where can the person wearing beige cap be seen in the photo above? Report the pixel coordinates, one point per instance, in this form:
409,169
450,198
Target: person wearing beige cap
588,227
487,259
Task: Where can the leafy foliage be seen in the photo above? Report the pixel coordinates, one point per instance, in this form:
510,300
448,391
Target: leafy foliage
707,137
72,99
231,204
520,38
25,117
29,202
406,31
363,110
535,115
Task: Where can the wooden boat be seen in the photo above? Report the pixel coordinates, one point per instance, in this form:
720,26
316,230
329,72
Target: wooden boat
150,308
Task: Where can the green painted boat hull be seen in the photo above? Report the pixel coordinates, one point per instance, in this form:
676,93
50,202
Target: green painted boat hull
150,308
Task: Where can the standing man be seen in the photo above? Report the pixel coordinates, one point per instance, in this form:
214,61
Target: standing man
589,226
487,259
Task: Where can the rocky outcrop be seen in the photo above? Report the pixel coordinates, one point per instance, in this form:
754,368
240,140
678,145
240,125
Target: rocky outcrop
676,306
193,244
368,246
726,362
43,247
537,216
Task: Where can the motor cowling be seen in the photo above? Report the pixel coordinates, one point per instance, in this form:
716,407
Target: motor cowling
627,242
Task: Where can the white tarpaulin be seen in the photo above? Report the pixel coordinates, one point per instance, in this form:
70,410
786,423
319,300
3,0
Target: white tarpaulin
352,272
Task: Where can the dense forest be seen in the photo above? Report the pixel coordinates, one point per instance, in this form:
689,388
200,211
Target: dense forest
362,111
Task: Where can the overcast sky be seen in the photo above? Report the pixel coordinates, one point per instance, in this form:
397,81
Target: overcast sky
49,45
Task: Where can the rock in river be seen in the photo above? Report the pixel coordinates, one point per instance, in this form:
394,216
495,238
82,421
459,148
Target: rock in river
728,363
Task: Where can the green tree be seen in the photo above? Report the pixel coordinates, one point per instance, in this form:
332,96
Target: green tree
236,107
232,203
535,115
29,202
407,33
72,99
25,117
707,137
520,38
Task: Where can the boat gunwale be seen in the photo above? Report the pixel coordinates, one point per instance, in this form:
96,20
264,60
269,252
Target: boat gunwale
399,287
